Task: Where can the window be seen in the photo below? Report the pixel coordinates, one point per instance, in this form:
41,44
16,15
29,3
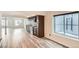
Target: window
18,22
59,24
67,24
71,25
26,21
4,21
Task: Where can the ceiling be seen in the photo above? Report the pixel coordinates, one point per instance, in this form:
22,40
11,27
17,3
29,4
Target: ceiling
23,13
29,13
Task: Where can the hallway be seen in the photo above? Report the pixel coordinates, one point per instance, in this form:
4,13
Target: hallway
19,38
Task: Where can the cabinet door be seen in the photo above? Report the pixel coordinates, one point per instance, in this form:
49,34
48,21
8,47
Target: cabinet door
35,31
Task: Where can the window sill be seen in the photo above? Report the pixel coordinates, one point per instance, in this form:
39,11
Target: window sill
66,36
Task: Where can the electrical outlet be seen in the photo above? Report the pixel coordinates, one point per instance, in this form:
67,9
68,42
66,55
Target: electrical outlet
49,34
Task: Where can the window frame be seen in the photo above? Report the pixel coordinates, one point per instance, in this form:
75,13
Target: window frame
64,24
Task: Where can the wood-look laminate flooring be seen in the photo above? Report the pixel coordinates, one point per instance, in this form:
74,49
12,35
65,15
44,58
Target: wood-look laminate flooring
19,38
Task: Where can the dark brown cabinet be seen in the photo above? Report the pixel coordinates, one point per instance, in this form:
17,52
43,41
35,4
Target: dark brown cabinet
37,25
